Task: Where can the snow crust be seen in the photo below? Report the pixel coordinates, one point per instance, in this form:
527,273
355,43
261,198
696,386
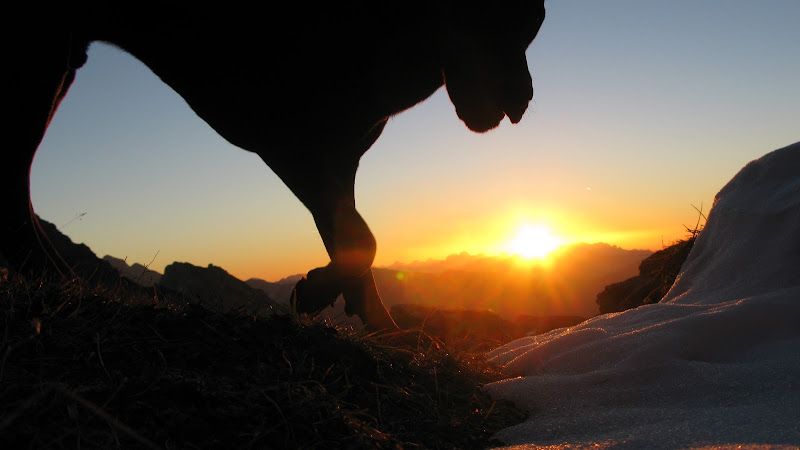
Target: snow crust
717,362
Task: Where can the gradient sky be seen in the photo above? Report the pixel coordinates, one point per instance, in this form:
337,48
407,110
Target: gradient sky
641,110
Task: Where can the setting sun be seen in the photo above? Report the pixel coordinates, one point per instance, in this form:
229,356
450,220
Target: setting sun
533,242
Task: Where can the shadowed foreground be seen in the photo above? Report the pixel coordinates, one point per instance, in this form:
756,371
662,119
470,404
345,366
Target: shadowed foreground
80,369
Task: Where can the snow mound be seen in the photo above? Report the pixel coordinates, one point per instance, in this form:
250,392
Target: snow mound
717,362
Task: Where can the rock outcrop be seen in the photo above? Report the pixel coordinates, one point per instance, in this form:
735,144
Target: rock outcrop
656,274
215,289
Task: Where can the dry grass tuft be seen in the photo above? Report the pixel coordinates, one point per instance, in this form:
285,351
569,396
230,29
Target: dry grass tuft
86,366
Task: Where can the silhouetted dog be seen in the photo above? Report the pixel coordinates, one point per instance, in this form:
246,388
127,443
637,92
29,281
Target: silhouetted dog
309,89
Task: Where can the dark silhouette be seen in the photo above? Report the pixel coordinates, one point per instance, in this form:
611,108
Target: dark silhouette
307,89
657,273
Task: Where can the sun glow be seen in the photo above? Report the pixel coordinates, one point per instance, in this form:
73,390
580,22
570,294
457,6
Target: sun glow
534,242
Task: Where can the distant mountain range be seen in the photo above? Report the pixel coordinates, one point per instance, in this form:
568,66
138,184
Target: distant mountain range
211,286
567,284
280,290
497,297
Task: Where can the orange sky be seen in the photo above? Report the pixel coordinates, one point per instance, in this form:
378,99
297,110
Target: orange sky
631,125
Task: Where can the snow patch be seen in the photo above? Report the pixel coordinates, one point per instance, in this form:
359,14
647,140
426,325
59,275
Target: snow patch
716,362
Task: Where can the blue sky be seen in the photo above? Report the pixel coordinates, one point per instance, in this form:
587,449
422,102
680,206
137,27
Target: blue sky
641,110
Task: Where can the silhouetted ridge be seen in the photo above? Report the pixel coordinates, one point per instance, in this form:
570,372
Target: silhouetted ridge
137,273
215,289
656,275
78,256
280,290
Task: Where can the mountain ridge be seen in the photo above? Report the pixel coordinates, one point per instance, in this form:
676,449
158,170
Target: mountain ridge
566,283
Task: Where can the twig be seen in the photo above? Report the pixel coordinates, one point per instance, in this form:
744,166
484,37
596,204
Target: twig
147,267
697,228
100,355
77,216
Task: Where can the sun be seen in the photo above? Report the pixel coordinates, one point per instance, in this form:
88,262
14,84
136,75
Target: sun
533,242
